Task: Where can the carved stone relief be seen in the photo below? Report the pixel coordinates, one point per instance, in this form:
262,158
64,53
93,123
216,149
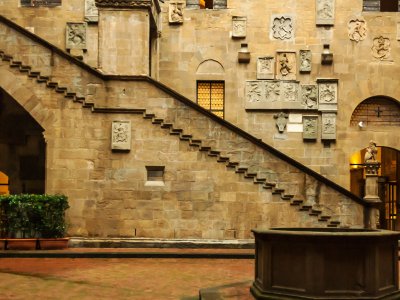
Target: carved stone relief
381,48
76,36
91,12
239,25
175,12
328,130
276,94
357,29
282,27
309,96
305,61
266,67
281,121
286,65
121,135
325,14
327,93
310,127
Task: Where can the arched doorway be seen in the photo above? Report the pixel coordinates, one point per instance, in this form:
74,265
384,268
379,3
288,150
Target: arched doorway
22,148
4,184
388,187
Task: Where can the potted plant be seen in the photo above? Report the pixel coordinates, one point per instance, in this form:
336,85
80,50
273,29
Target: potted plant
29,220
52,224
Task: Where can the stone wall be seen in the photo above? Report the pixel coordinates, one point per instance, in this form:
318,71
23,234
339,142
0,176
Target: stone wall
204,193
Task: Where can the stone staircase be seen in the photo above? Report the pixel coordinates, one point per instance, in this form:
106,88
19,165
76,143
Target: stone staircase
252,177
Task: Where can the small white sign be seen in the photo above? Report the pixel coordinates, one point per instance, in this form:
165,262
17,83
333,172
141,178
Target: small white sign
294,127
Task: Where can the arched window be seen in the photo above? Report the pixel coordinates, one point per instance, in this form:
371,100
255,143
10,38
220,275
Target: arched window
3,184
377,111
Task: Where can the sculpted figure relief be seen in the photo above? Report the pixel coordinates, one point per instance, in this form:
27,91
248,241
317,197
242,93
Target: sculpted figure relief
290,91
253,91
265,67
381,48
370,153
309,96
305,61
76,36
175,12
327,93
239,27
282,28
325,12
121,135
273,91
286,65
357,29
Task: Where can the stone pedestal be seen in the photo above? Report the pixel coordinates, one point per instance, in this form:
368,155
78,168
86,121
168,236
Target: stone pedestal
371,195
124,35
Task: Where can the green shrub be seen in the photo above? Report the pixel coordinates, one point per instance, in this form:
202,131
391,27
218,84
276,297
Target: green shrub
29,215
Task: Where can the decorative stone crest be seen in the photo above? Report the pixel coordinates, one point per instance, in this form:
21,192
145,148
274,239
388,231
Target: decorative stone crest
239,25
91,11
286,65
327,93
266,67
309,96
325,14
290,91
281,121
76,36
305,61
357,29
282,27
328,130
310,127
121,135
175,12
381,48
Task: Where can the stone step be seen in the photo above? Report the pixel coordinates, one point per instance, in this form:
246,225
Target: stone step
166,125
296,202
241,170
223,159
176,131
305,207
34,74
185,137
276,191
232,164
213,153
157,121
148,116
259,180
250,175
205,148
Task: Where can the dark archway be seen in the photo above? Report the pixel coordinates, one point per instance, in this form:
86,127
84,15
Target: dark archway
389,184
22,148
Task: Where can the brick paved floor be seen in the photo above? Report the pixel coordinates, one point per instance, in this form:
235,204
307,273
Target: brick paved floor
138,279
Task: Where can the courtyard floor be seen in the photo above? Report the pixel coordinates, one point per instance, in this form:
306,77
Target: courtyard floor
119,278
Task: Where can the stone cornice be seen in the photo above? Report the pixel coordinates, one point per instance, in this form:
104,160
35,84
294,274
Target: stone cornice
123,3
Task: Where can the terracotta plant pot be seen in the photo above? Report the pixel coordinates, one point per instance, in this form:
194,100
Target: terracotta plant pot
21,244
53,243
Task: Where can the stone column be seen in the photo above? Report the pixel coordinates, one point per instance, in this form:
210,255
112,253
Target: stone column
371,218
124,36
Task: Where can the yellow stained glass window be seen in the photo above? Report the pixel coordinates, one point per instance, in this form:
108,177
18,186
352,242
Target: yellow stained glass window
3,184
210,95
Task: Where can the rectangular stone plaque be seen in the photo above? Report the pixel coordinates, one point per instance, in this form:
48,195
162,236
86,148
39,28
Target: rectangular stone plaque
35,3
328,130
286,65
309,96
294,127
325,12
175,12
310,127
295,118
327,94
266,67
75,36
91,11
273,94
239,25
121,135
305,61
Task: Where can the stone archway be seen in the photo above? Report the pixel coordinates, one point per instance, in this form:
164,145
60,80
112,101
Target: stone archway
22,148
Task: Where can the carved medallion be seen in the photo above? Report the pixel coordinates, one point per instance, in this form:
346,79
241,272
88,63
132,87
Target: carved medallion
121,135
357,29
239,27
309,97
381,48
328,130
325,14
305,61
310,127
286,65
266,67
76,36
282,27
175,12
